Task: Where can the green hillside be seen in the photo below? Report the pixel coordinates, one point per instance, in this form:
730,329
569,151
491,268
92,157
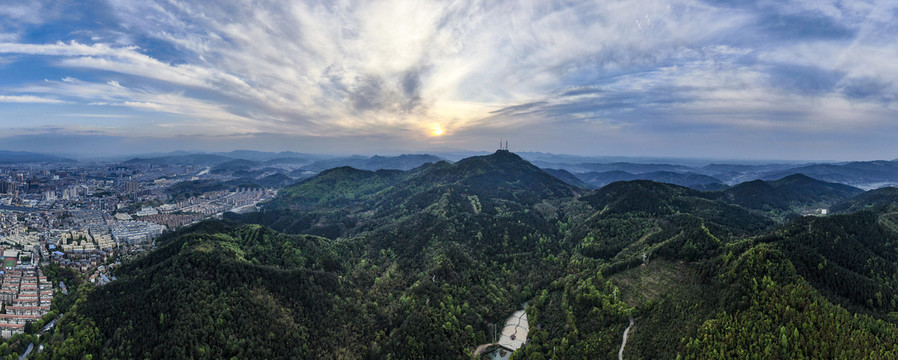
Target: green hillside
428,263
882,199
787,197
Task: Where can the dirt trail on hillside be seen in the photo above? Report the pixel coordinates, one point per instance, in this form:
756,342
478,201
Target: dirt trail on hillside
620,354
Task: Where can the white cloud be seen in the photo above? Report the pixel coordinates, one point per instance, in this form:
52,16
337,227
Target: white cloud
28,99
359,67
363,65
24,11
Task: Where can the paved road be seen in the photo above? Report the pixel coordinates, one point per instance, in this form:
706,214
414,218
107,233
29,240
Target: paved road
620,354
50,325
27,352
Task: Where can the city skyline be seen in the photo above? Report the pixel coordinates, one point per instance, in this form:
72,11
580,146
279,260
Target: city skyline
709,79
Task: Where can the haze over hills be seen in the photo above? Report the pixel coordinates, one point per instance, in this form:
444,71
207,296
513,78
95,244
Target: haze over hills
16,157
791,194
701,174
425,262
868,174
401,162
692,180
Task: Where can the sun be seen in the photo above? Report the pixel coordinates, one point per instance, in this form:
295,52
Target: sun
437,130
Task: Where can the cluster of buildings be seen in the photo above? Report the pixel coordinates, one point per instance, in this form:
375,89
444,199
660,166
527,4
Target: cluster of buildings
80,249
216,202
103,275
81,260
173,221
132,232
26,295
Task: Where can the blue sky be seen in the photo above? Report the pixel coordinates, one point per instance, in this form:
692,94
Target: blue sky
731,79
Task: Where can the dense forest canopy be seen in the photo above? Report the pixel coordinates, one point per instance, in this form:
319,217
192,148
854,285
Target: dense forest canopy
429,262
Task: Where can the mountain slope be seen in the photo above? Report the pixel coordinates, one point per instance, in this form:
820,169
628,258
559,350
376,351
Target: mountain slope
348,200
224,291
635,217
427,263
192,159
859,173
600,179
660,199
336,187
883,199
690,180
851,258
502,175
790,193
567,177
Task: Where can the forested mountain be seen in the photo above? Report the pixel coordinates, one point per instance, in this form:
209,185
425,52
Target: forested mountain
234,165
862,174
569,178
346,200
599,179
191,159
401,162
633,168
691,180
791,193
883,199
425,263
269,156
276,180
852,173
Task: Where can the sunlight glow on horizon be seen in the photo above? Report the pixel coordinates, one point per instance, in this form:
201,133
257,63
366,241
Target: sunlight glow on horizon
771,79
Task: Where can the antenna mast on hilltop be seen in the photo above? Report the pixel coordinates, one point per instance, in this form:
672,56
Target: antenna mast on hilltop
503,146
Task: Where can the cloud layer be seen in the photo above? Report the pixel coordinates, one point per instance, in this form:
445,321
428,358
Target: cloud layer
573,76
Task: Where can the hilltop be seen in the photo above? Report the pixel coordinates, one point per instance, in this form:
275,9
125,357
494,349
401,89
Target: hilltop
793,193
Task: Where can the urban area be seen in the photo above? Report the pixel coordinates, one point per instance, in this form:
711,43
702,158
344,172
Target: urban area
89,217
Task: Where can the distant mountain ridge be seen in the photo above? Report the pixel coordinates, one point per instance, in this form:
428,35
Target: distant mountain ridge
856,173
247,160
691,180
401,162
861,174
796,190
686,172
569,178
190,159
18,157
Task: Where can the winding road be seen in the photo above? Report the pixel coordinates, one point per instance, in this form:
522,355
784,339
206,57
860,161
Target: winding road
620,354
